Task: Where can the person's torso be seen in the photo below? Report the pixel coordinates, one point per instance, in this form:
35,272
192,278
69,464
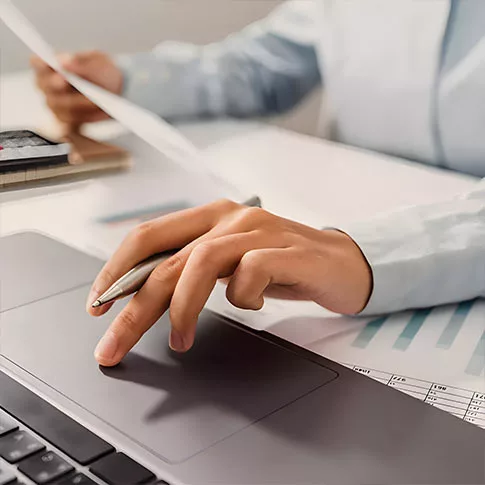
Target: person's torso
407,77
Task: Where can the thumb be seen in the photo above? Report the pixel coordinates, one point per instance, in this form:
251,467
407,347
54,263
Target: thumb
80,63
96,67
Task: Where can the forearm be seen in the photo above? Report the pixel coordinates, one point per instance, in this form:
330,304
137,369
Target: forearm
426,256
267,68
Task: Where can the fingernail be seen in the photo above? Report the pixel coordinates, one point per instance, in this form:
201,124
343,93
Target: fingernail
176,342
106,349
93,296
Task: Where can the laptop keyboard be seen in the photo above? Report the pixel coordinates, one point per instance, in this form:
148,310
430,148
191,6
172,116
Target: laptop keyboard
41,445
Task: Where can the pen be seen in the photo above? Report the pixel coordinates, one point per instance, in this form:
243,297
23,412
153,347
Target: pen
132,281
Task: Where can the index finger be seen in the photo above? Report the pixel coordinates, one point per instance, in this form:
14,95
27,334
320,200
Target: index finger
169,232
40,65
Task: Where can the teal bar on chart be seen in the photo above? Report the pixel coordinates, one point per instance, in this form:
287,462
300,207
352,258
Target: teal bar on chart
368,333
476,365
454,326
411,330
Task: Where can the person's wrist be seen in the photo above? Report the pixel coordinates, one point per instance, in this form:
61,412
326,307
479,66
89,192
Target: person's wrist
118,81
358,277
124,63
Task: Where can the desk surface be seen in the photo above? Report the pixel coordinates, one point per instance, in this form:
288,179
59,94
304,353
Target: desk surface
314,181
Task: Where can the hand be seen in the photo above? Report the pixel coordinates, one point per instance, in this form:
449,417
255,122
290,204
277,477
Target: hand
259,253
69,105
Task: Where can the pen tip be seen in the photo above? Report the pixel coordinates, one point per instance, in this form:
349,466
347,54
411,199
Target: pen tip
96,304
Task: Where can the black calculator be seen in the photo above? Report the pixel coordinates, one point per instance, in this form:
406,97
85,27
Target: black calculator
24,149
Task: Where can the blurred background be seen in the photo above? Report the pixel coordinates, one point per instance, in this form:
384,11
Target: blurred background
123,26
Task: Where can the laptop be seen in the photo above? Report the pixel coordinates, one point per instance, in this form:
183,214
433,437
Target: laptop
242,407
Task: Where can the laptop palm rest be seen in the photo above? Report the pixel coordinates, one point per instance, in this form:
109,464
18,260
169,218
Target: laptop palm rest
173,405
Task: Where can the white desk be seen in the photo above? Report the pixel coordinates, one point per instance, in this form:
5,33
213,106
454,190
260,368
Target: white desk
300,177
316,182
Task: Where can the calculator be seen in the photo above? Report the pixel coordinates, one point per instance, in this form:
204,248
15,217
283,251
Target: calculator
25,149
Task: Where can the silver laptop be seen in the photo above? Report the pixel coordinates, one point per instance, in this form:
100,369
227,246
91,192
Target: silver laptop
240,408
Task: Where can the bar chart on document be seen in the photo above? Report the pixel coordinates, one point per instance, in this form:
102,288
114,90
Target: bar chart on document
455,334
436,355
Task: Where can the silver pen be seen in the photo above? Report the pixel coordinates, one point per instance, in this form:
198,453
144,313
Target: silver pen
132,281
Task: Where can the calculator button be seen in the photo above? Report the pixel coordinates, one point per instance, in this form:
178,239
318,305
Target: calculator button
19,445
78,479
45,468
7,424
6,477
118,469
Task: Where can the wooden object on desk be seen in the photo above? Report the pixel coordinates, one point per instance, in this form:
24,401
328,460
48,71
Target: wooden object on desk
87,156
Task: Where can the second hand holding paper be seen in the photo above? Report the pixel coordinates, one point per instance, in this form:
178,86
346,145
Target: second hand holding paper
148,126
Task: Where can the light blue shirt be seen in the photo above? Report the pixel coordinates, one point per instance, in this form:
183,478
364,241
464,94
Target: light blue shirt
392,86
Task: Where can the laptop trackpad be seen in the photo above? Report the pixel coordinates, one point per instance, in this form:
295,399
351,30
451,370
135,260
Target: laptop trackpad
174,405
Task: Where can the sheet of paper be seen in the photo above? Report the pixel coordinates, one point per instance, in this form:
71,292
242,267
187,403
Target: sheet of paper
149,127
463,403
96,215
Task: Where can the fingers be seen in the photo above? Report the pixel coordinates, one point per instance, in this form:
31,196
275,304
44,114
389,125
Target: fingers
70,107
48,80
53,83
212,249
253,275
184,282
170,232
259,252
80,63
143,310
68,61
67,104
209,261
39,65
95,66
261,269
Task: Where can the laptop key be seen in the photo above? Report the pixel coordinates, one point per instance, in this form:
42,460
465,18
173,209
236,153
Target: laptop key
18,446
45,468
78,479
7,424
47,421
6,477
118,469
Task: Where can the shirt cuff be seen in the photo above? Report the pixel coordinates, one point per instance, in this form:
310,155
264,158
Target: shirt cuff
384,280
396,270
